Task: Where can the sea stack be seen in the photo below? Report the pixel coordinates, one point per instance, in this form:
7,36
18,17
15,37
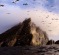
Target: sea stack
25,33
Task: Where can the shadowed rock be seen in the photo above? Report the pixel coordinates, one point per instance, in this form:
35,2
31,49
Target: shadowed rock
30,34
25,33
50,42
57,42
9,35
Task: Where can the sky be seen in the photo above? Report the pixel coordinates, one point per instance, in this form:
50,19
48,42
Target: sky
44,13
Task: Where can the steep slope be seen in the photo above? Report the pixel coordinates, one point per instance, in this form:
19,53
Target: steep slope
25,33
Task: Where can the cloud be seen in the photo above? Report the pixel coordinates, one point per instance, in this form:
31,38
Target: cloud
12,14
54,37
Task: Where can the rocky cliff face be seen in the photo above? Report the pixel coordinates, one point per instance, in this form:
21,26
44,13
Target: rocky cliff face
26,33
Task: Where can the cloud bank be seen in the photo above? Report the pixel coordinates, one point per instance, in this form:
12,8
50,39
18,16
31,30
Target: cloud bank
44,14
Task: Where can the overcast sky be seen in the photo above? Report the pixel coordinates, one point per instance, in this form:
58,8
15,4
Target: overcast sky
44,13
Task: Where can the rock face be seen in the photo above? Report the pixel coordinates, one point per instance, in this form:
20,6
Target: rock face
7,37
26,33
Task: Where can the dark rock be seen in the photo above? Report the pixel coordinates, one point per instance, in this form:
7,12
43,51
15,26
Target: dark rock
57,42
1,43
50,42
4,44
9,36
30,34
12,42
24,40
25,33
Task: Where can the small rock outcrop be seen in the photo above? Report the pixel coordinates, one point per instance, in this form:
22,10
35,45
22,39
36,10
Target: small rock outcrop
57,42
26,33
50,42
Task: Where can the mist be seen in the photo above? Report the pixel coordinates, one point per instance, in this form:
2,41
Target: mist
47,19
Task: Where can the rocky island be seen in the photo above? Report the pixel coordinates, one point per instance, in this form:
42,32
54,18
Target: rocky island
27,39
